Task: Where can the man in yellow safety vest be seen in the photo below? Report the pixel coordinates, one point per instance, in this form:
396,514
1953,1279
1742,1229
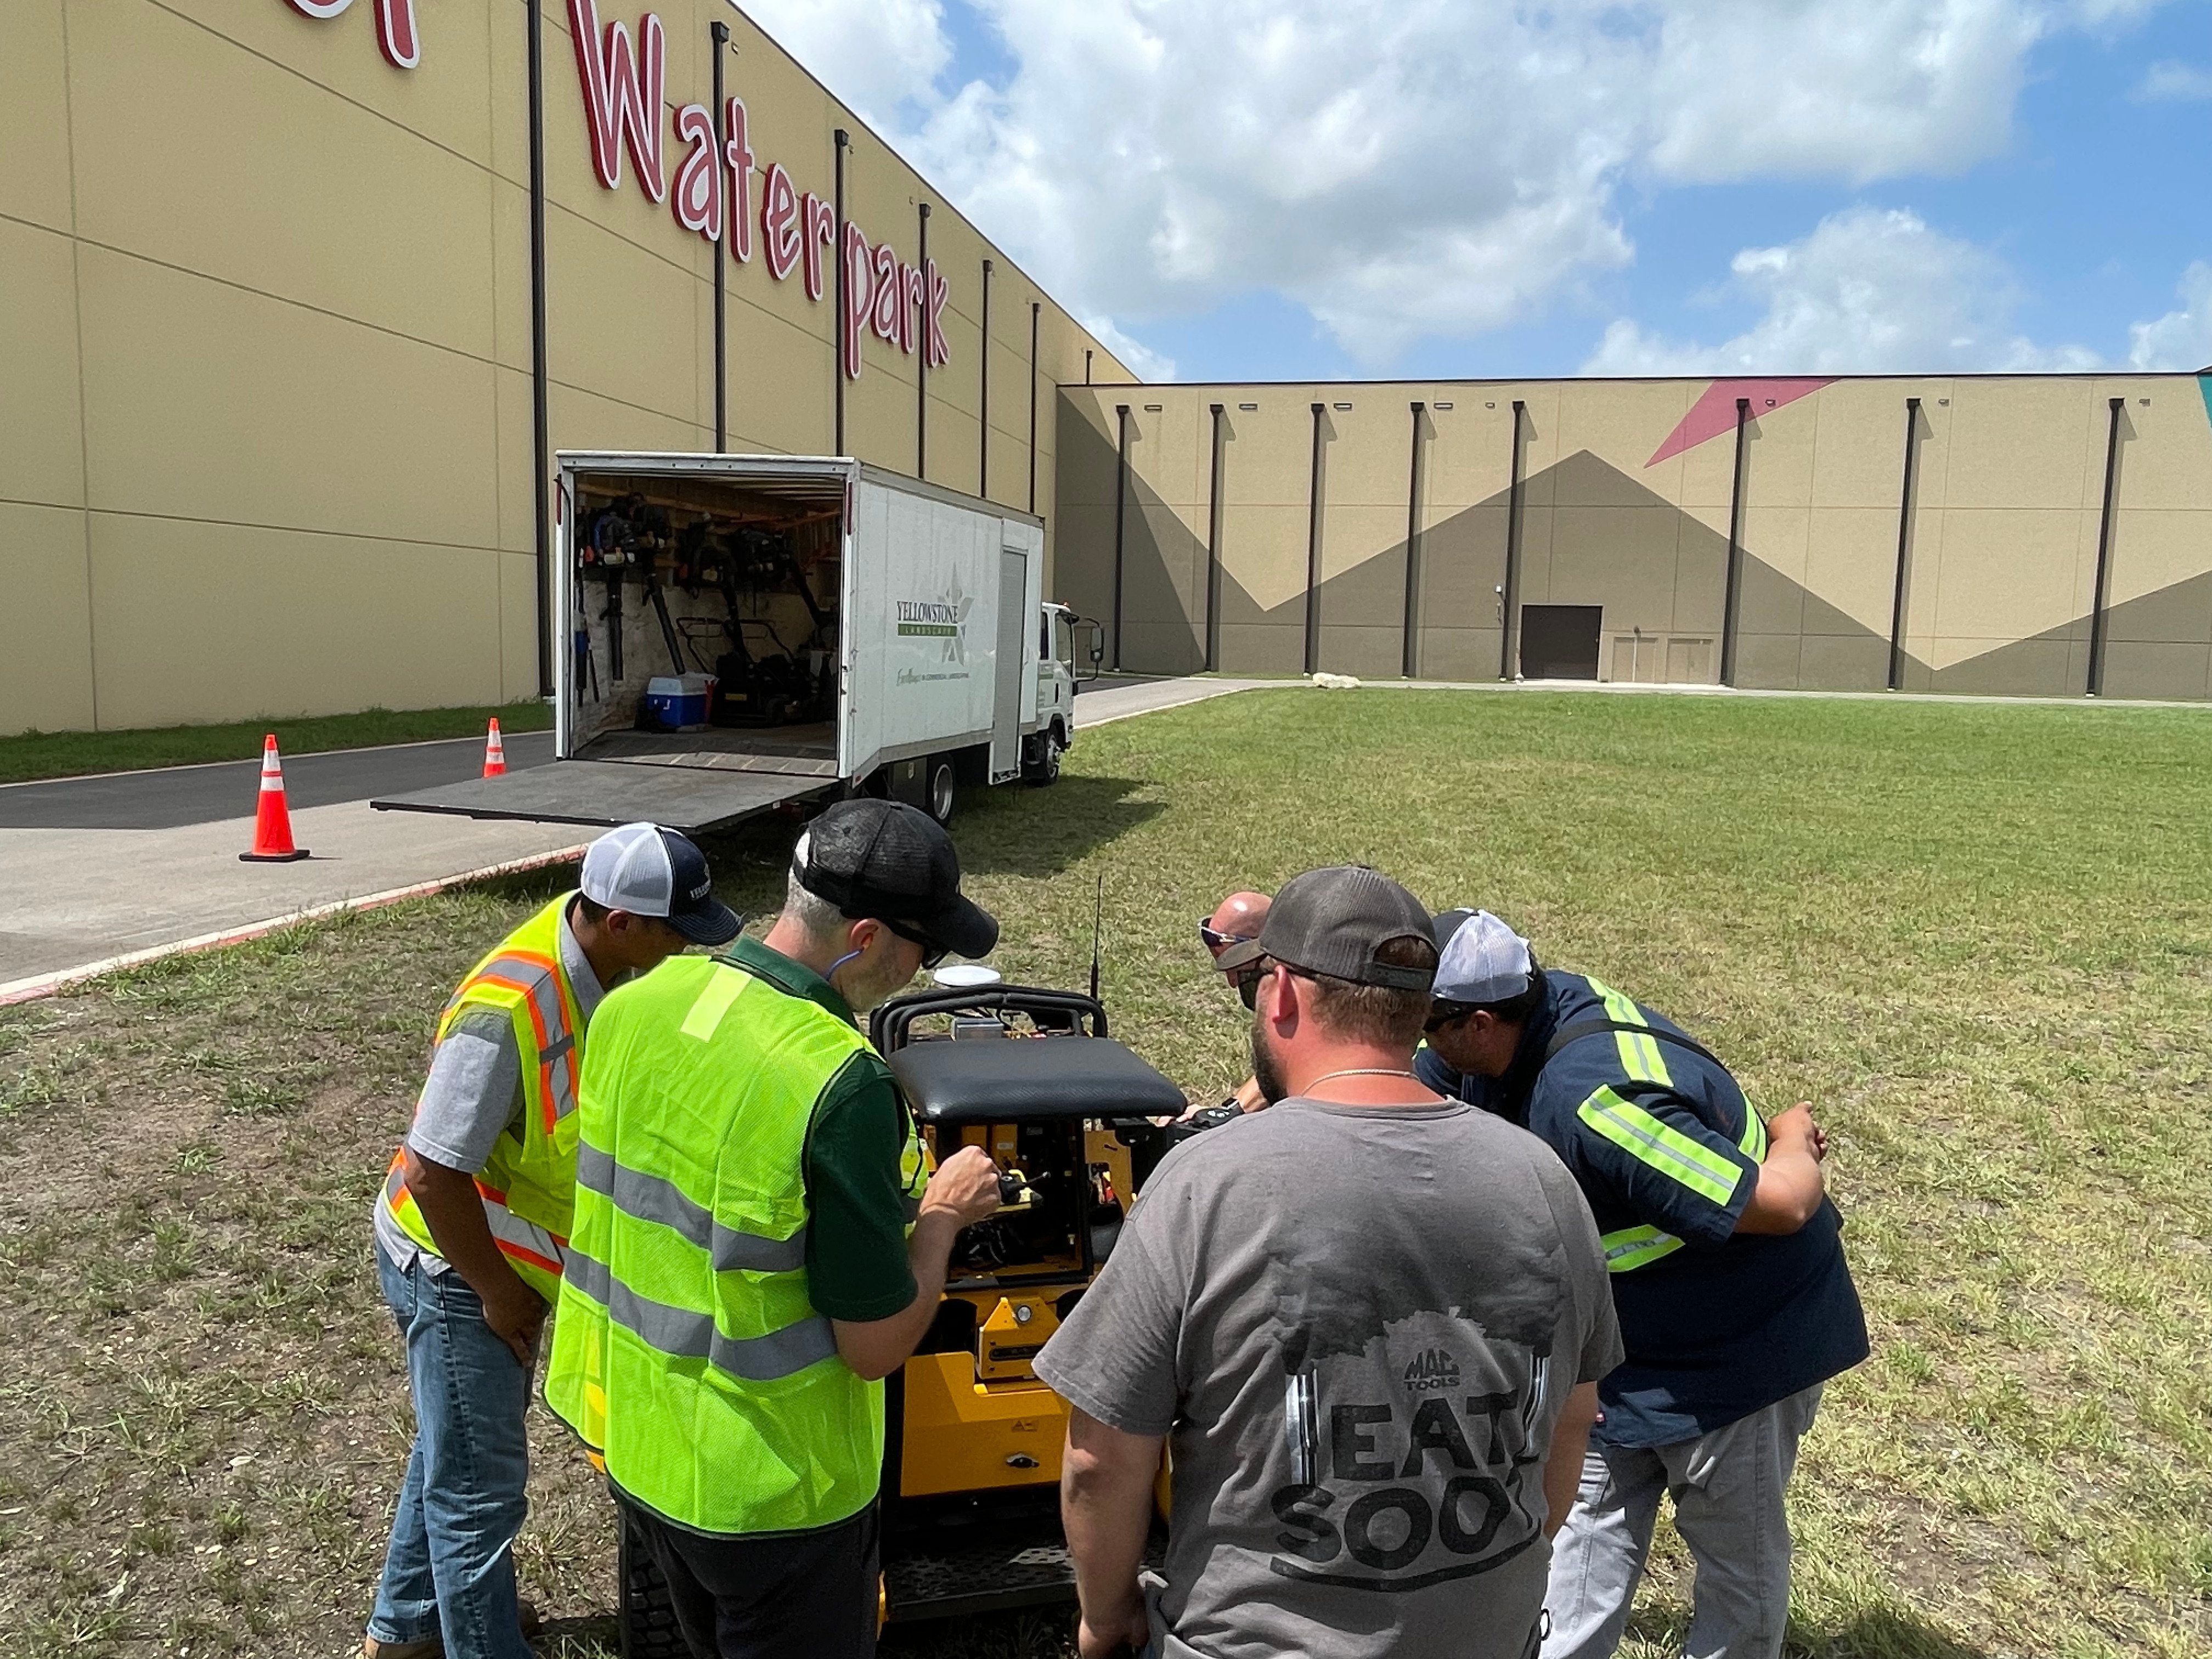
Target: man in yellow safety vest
754,1246
473,1226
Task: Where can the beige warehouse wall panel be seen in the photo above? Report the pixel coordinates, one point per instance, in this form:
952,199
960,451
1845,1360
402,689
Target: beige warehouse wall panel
2023,443
41,424
45,662
34,130
1781,450
2156,550
517,635
2164,439
2007,575
283,154
1998,598
1623,424
322,425
1850,561
207,621
447,98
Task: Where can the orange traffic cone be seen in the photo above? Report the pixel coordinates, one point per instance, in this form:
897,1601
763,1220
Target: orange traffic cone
494,753
273,822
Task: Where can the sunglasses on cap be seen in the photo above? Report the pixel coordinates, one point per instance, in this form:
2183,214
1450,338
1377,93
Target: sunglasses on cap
1215,939
933,953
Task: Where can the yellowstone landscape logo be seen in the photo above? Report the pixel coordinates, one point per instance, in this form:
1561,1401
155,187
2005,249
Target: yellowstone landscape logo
944,618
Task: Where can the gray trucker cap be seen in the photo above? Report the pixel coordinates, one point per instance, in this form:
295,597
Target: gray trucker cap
1335,922
1484,960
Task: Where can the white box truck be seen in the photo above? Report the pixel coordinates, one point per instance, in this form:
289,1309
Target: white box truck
735,632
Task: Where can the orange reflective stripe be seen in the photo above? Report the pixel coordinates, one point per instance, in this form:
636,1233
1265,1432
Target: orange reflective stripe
528,992
528,975
531,1256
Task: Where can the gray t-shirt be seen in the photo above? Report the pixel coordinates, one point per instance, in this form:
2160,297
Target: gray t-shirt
1358,1326
473,1095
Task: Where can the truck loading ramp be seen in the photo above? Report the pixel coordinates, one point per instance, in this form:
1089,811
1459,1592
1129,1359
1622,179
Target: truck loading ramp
603,793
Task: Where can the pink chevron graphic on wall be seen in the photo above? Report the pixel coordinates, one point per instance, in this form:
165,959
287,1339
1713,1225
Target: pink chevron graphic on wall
1715,412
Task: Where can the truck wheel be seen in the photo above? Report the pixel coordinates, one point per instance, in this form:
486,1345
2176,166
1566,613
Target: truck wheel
941,796
1045,768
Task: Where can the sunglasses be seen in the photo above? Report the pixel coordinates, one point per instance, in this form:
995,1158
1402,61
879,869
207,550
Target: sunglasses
933,953
1215,939
1248,978
1449,1013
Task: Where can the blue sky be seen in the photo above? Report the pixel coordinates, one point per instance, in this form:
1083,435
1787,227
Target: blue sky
1294,190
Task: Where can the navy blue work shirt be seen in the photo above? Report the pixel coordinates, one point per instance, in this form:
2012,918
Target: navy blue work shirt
1667,1150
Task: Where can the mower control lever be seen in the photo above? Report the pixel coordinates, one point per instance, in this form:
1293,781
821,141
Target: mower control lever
1014,1190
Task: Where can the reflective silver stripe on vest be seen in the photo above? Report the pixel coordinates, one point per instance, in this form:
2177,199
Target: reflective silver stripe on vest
687,1335
557,1059
655,1199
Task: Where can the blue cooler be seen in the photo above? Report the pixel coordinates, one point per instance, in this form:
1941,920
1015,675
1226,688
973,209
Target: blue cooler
673,701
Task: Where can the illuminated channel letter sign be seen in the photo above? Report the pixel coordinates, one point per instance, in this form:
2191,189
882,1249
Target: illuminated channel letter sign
622,74
395,27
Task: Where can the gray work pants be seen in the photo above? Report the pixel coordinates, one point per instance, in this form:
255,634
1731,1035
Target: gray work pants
1727,1490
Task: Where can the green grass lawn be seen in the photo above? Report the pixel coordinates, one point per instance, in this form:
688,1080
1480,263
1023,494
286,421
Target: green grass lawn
70,754
1978,937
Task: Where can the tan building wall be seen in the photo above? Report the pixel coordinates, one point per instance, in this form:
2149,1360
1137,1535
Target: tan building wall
1626,499
266,442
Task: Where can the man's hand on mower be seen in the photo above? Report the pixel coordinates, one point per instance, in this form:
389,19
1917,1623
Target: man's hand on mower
1121,1633
965,1186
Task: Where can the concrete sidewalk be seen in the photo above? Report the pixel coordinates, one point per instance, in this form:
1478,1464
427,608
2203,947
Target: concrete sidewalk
97,873
72,898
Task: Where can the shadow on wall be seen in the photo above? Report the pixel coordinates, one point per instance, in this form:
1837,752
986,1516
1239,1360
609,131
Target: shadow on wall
1607,534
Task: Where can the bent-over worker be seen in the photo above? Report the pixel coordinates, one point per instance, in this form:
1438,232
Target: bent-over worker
741,1276
1237,921
1727,1268
473,1220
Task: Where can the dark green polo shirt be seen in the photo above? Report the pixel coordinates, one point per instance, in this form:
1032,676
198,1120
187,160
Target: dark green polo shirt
856,1259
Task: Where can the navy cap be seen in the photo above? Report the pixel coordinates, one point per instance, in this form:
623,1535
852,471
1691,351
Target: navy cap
651,872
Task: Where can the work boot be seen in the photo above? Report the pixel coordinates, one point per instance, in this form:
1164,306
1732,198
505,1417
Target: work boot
431,1649
529,1617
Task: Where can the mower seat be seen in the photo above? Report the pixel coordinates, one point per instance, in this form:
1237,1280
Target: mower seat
1041,1079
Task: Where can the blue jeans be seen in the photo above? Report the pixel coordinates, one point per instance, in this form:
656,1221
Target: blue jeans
449,1571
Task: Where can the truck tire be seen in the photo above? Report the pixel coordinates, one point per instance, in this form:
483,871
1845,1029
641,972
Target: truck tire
941,793
1044,767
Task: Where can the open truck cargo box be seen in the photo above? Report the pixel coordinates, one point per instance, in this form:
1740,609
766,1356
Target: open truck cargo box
838,626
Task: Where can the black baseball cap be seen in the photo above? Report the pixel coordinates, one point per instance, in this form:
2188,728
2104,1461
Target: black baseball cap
1335,922
650,870
887,862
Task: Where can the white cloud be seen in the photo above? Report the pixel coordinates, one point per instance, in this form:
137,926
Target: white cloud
1405,168
873,54
1867,292
1140,359
2181,339
2169,83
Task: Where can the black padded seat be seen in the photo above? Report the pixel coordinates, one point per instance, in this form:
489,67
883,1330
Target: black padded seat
1041,1079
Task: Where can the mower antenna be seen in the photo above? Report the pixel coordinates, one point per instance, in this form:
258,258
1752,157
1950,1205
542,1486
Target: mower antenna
1097,921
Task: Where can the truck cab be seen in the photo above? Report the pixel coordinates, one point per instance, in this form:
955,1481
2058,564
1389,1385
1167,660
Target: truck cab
1064,641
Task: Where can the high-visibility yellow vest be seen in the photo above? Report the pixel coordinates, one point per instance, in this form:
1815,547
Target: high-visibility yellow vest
527,1186
685,1351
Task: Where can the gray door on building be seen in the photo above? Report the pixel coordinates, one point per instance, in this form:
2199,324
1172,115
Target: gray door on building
1015,626
1559,642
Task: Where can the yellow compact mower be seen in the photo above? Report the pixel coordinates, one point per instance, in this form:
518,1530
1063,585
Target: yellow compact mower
971,1454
